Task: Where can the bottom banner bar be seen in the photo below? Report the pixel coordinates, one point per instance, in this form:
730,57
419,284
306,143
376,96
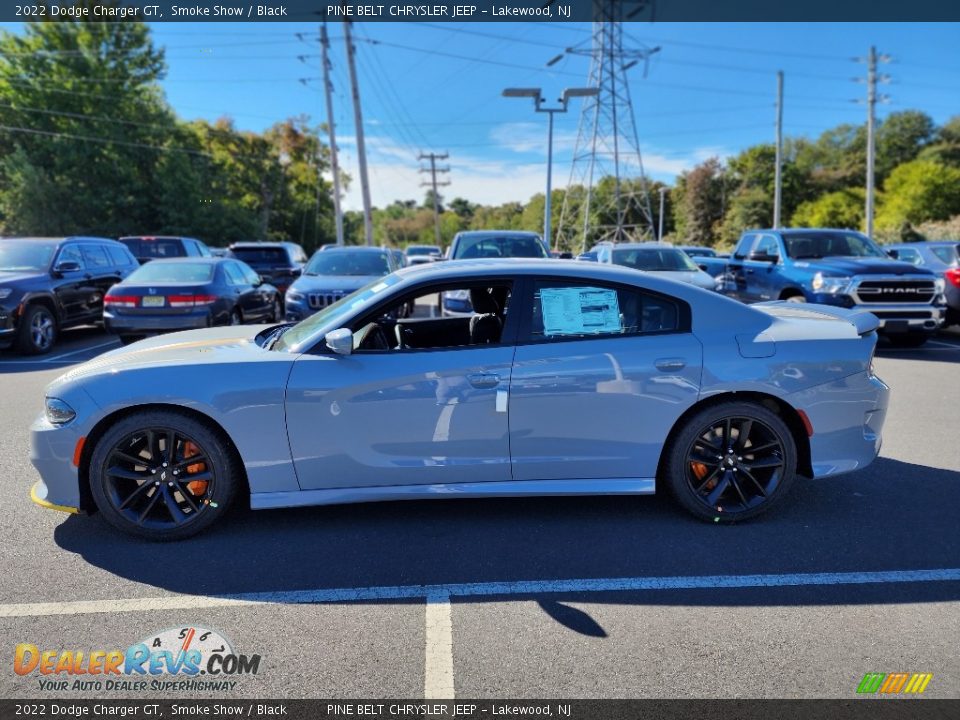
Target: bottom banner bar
872,709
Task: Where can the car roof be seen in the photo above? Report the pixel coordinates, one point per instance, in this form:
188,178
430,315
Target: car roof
805,231
68,238
199,259
496,233
925,243
648,244
158,237
243,244
359,248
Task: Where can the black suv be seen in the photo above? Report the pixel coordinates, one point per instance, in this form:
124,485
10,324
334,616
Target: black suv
47,284
279,263
154,247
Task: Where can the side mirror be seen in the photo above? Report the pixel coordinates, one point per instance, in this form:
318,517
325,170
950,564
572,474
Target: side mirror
566,256
67,266
895,254
296,272
340,341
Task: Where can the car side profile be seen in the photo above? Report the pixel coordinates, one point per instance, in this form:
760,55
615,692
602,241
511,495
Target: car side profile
49,284
569,379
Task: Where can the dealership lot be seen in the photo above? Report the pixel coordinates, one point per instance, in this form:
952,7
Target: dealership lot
505,614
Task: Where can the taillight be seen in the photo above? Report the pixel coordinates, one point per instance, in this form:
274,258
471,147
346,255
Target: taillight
127,301
953,276
190,300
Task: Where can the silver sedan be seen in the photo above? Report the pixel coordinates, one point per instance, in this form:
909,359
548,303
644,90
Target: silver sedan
569,379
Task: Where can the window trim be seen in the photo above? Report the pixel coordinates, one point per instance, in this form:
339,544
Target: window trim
508,338
684,313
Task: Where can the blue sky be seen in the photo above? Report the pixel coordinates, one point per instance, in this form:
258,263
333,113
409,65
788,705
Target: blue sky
710,90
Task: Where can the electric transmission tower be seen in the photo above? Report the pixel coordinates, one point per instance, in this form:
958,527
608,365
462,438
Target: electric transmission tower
606,196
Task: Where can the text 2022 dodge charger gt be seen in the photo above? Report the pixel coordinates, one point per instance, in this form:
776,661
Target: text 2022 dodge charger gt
569,379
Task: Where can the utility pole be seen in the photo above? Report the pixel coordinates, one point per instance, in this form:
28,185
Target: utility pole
778,181
358,122
433,170
334,165
663,191
872,99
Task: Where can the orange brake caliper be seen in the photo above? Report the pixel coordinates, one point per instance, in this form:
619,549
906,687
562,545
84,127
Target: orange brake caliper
196,487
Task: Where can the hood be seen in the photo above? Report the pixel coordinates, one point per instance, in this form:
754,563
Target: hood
345,283
860,266
19,276
208,346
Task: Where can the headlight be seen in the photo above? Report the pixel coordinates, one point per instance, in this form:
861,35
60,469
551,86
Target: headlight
294,296
5,293
58,412
830,284
939,286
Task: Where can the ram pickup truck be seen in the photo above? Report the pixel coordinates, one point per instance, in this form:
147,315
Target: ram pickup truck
833,267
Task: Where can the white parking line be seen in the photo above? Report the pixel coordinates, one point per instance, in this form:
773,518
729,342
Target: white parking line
438,668
86,349
523,587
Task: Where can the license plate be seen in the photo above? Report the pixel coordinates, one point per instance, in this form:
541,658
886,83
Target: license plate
154,301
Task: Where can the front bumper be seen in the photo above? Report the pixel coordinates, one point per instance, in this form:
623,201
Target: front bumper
893,317
9,317
52,449
847,417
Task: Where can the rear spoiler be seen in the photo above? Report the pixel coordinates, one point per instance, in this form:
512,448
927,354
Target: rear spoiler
863,321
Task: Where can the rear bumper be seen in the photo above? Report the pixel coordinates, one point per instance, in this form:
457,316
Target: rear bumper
847,417
148,324
893,317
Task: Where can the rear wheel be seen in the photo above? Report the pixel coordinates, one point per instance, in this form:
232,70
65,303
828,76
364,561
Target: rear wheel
236,318
38,330
161,475
731,462
276,313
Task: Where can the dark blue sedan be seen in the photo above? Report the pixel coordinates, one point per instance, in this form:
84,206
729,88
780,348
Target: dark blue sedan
188,293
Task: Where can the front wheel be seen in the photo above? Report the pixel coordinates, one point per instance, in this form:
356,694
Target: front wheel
731,462
38,330
161,475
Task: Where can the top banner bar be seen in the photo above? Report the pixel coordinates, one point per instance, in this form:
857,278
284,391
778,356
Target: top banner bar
481,10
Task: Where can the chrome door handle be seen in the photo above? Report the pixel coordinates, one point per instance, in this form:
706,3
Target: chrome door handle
667,364
484,380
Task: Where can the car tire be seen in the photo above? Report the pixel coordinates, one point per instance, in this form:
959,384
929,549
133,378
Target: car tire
38,330
129,339
908,340
696,457
236,317
795,299
115,480
276,314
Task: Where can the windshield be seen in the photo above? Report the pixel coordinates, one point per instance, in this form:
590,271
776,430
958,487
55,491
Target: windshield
422,250
830,244
154,247
260,257
173,272
348,262
24,256
331,313
654,259
494,246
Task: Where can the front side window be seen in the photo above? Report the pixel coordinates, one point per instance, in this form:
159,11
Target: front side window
767,245
563,310
95,256
813,246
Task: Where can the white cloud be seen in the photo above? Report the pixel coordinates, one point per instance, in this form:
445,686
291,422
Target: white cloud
531,137
394,170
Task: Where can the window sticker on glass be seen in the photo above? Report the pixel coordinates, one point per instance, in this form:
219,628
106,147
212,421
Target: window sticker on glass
579,311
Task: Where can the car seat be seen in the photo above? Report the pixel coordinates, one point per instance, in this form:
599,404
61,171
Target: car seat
486,325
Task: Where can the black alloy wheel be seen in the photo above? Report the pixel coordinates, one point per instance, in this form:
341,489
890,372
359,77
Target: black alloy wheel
163,476
732,462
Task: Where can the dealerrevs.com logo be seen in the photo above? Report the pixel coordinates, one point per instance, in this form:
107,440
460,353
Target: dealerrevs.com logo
894,683
178,659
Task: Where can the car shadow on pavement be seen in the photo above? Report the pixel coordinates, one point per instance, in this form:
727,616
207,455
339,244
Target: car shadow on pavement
891,516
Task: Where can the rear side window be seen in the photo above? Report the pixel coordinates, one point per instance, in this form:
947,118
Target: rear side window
94,256
234,274
949,255
119,256
563,310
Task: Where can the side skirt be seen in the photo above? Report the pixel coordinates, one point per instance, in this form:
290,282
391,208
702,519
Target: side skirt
510,488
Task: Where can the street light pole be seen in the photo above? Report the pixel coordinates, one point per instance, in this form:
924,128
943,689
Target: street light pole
564,100
663,192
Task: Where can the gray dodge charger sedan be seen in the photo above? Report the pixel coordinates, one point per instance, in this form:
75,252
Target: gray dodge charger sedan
568,379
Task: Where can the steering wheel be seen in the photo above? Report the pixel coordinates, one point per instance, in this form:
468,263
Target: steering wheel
372,337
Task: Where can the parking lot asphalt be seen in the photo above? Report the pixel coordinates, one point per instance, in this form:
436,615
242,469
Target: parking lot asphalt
556,597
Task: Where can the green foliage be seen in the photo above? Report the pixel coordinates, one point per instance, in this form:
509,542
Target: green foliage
919,191
840,209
